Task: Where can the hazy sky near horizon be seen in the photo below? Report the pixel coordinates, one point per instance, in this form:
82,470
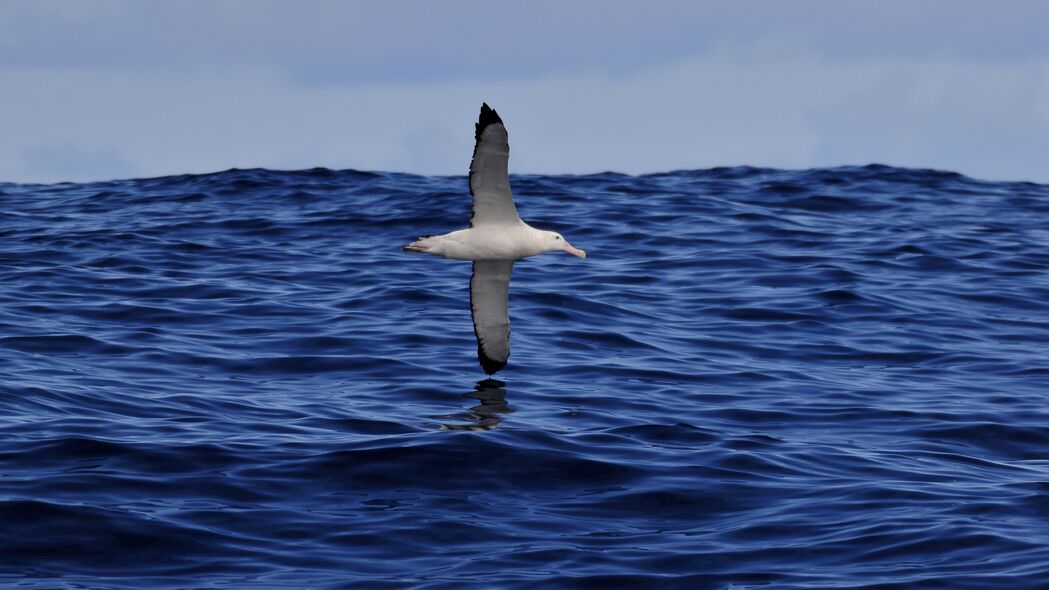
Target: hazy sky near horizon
119,88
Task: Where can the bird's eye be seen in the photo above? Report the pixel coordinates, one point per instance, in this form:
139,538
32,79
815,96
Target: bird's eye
559,237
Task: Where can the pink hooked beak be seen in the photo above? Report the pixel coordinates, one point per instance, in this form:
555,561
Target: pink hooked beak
575,251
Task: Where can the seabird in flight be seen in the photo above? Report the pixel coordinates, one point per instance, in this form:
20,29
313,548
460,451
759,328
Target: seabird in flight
495,239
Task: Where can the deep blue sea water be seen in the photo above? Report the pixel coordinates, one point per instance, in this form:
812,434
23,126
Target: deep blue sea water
833,378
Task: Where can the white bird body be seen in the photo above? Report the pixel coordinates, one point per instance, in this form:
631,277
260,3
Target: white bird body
495,239
491,242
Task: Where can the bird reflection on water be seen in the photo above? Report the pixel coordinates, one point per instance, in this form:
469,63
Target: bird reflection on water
485,415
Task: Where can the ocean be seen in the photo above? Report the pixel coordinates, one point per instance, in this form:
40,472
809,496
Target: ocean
758,379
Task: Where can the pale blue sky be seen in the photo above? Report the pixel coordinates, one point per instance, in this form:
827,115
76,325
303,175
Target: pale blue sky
119,88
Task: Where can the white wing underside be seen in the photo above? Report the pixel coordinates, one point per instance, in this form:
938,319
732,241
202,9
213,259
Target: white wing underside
489,179
489,294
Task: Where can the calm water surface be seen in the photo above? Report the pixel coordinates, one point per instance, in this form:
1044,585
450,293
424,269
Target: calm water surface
831,378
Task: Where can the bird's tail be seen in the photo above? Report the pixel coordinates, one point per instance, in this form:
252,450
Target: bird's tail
423,244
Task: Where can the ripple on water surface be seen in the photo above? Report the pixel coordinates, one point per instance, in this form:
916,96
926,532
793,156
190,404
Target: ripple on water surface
758,379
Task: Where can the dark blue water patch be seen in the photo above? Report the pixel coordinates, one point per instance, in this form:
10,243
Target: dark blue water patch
758,378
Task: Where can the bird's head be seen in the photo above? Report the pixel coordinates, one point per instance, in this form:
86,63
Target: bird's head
554,241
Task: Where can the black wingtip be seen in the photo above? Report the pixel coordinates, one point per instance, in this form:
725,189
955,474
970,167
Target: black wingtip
487,117
489,365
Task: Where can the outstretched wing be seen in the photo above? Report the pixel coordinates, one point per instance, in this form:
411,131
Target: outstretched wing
489,295
489,180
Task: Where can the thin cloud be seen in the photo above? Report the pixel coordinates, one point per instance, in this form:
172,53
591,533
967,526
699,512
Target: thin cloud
160,88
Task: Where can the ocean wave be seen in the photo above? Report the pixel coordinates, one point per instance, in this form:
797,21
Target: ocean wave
758,378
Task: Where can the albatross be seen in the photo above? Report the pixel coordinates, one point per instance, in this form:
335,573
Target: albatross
496,238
